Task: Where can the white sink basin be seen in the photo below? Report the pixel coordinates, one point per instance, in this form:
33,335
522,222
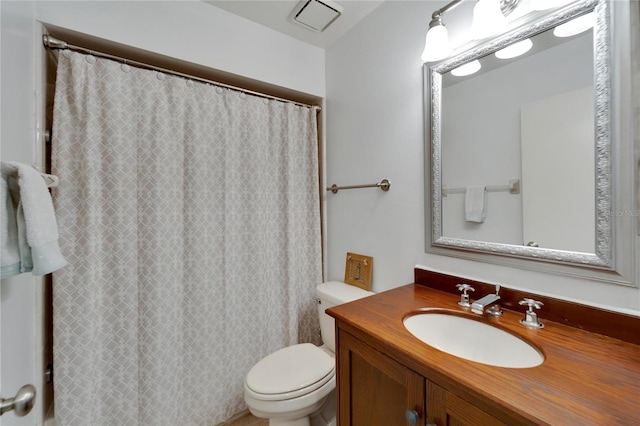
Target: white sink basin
473,340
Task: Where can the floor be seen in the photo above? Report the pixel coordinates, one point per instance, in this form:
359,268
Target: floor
248,420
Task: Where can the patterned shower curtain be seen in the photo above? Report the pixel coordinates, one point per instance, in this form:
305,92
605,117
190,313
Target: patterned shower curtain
190,218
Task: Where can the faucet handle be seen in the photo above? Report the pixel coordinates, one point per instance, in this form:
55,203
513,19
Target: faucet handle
464,297
531,303
531,317
495,310
464,287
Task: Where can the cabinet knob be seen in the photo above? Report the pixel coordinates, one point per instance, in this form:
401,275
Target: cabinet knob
412,417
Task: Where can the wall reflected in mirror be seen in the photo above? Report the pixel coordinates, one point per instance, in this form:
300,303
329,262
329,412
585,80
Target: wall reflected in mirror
528,118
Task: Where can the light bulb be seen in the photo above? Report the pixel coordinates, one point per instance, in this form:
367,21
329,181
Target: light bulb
516,49
436,45
575,26
487,19
467,69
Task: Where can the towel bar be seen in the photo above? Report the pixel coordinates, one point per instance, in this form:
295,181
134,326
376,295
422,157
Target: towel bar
51,180
384,184
513,188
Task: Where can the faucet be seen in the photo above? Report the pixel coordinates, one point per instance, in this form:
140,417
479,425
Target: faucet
488,304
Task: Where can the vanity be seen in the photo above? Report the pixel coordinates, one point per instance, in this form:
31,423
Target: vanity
386,376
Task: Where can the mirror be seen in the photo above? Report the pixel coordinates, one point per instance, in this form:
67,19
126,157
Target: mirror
542,99
521,169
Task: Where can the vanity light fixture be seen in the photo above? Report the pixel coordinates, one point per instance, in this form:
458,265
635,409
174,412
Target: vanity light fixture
489,18
436,45
515,50
575,26
467,69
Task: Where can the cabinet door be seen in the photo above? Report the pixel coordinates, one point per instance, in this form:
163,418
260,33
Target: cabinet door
446,409
375,390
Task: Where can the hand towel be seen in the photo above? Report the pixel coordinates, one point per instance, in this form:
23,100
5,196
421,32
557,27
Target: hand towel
35,218
475,204
9,247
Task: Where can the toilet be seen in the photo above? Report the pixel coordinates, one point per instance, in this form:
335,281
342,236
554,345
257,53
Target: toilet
295,386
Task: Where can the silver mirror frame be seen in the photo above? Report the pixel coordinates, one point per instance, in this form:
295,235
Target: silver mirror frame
610,261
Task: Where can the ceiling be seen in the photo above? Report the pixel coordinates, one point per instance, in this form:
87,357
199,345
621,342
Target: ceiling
276,14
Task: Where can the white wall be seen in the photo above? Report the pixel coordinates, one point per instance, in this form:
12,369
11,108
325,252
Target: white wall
187,30
375,130
196,32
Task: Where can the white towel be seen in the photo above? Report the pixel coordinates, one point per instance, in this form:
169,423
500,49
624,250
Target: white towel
475,204
29,228
9,250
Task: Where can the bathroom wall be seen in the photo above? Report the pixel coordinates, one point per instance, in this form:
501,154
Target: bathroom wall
375,130
196,32
191,31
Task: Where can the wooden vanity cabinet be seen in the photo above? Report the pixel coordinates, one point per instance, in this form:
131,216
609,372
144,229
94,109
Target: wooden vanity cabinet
447,409
376,390
373,389
383,371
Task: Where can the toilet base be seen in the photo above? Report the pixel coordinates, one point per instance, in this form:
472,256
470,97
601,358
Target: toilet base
297,422
322,414
326,416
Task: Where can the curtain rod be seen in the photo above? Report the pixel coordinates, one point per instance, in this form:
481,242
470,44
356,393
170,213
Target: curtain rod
54,43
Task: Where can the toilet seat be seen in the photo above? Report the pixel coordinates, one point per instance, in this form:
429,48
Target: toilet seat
290,372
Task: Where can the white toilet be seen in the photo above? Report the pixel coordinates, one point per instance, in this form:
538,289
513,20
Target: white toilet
294,385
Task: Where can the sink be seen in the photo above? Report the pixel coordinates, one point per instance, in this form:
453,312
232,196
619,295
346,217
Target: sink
472,340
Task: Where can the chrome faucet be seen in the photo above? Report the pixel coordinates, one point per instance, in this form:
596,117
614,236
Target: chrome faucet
488,304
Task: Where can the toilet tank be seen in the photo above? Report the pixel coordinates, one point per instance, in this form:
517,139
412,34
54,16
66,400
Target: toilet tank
334,293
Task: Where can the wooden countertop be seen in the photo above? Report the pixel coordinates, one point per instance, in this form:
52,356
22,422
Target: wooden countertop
586,378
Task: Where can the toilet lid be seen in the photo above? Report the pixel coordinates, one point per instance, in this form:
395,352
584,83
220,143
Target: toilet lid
291,369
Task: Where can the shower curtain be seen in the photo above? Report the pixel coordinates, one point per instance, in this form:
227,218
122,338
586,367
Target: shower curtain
189,214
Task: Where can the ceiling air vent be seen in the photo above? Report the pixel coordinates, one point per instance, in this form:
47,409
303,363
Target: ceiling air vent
316,15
